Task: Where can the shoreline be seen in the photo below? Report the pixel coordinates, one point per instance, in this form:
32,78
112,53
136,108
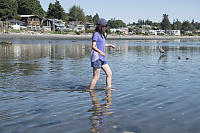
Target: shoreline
45,36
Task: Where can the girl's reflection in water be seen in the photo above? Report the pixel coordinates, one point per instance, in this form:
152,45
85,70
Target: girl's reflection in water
99,110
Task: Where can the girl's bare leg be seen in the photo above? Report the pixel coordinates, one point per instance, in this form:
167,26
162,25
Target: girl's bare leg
108,72
95,78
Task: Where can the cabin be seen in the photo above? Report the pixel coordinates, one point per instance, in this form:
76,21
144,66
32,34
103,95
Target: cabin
32,22
58,25
160,32
174,32
53,25
16,24
47,25
76,26
90,26
152,32
122,30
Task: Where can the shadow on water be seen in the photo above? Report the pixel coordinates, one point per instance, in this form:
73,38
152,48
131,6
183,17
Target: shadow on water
66,87
76,88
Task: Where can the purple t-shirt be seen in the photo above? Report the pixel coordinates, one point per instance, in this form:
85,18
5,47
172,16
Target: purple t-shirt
100,44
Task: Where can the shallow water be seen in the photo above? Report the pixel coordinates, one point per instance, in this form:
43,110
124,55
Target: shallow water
44,88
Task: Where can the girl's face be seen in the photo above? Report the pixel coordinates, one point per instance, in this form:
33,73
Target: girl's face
104,28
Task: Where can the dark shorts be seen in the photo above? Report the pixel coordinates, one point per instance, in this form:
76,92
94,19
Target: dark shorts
98,63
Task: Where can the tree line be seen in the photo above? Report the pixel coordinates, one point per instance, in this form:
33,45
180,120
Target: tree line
11,9
166,25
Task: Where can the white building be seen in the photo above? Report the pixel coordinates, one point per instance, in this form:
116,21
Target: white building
58,25
120,30
174,32
152,32
75,26
53,25
160,32
79,28
16,24
90,26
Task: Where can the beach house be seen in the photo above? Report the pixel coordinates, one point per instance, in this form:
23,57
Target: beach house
151,32
32,22
196,31
16,24
58,25
121,30
53,25
47,24
76,26
174,32
160,32
90,26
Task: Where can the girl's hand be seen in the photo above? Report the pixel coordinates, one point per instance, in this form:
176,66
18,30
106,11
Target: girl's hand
102,53
113,46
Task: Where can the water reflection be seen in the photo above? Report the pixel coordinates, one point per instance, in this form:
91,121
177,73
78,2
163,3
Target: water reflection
55,76
24,51
162,57
25,59
77,51
99,110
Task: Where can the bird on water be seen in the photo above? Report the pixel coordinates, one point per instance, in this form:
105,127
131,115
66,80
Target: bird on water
162,51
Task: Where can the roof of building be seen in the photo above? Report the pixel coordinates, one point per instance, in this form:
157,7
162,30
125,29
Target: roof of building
59,24
28,16
75,22
15,21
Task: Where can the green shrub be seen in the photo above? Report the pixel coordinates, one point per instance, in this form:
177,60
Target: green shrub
77,33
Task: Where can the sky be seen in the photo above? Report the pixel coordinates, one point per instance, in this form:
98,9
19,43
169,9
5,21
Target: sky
131,10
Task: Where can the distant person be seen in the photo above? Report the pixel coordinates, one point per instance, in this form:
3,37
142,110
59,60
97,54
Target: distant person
98,56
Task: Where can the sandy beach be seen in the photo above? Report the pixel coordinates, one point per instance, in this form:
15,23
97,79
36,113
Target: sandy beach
88,37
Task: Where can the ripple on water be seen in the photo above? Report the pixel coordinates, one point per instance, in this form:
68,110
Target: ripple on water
47,89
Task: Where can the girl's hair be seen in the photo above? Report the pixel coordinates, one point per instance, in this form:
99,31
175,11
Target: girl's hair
99,29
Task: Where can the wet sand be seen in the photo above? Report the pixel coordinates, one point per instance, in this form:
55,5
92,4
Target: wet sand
88,37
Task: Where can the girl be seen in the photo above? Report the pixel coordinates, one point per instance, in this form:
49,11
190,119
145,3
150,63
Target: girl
98,59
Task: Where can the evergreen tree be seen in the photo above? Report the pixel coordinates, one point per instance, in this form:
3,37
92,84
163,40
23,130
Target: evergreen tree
195,24
56,11
116,23
156,26
148,22
140,22
8,9
30,7
165,24
177,25
66,17
89,18
50,11
76,14
134,23
96,18
187,26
